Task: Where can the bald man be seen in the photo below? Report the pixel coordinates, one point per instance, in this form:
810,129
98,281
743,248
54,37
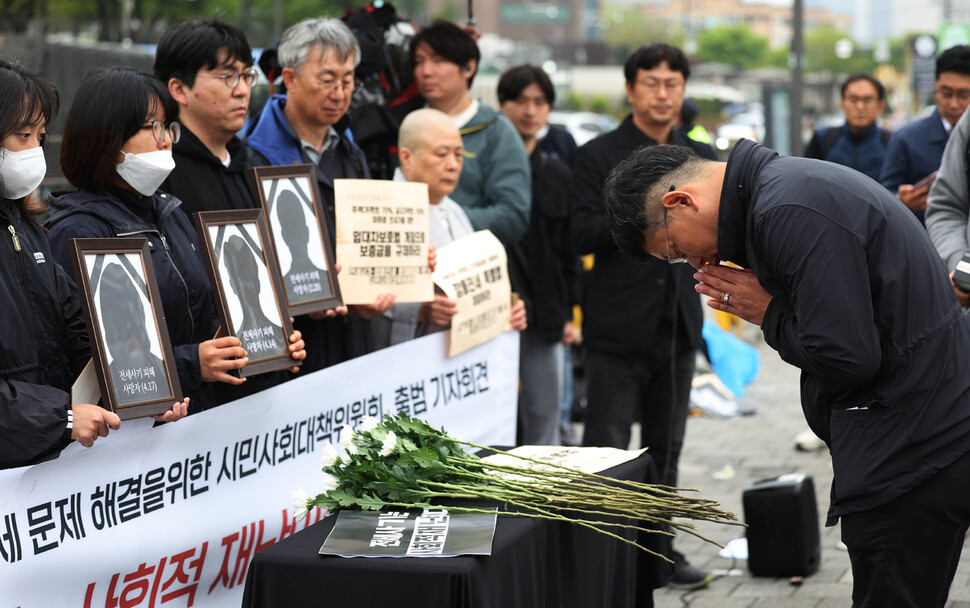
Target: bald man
430,151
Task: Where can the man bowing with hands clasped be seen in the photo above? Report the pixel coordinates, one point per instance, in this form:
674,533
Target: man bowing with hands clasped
845,285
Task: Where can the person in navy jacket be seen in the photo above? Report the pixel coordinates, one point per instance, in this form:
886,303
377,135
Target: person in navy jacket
43,341
916,151
860,143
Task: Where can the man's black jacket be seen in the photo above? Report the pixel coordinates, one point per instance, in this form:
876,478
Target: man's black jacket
543,265
862,304
203,183
628,304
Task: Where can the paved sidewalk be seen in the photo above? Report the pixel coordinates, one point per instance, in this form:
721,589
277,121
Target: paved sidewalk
755,448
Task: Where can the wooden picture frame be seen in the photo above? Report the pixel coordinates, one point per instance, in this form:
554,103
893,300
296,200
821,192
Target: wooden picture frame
122,306
291,203
247,287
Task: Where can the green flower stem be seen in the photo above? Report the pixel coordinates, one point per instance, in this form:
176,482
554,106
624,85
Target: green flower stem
531,506
551,517
586,501
576,472
645,491
552,494
676,506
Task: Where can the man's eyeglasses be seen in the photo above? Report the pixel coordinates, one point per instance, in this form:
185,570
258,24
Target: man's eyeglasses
667,240
962,95
158,131
654,86
232,78
330,87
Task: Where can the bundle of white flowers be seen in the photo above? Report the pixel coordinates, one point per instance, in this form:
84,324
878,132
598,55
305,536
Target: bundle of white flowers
402,462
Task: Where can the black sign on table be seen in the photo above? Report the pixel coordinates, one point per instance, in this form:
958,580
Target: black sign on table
534,563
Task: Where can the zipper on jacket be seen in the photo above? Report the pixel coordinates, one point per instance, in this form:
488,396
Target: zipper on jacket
188,301
185,286
13,236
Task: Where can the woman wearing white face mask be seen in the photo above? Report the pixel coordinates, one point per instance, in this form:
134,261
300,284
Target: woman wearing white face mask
117,150
43,342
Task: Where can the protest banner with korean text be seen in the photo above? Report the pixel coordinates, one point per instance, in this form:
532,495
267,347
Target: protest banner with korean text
172,515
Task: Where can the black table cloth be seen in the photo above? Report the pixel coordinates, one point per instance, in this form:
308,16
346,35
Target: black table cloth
534,564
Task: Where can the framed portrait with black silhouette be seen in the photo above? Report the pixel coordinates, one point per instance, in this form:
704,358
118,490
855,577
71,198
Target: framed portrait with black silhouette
291,203
247,286
125,320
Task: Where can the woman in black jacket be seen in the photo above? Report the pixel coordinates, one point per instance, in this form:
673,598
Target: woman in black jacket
117,149
43,342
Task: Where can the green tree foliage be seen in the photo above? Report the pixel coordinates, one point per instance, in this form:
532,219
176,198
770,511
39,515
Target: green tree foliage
451,11
15,15
734,45
150,18
629,27
820,53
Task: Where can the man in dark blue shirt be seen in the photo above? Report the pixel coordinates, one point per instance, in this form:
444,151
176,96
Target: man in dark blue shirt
860,143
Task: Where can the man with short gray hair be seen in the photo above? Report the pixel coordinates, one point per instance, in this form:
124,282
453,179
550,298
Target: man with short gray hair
308,125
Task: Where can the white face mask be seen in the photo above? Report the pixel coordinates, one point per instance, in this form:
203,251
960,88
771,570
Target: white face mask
21,172
145,172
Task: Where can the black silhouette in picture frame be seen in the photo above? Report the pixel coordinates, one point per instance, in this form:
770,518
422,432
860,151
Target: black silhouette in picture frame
137,373
304,281
261,337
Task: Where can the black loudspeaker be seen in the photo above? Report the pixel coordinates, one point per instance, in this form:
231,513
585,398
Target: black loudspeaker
783,527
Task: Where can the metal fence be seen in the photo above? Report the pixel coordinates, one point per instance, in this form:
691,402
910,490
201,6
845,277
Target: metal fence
65,64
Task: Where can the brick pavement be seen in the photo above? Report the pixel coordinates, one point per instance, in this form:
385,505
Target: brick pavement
759,447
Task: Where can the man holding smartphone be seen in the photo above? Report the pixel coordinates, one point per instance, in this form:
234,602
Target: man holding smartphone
915,151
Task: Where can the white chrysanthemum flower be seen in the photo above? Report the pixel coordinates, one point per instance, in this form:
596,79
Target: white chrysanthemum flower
387,448
352,449
330,482
346,436
329,457
300,503
368,424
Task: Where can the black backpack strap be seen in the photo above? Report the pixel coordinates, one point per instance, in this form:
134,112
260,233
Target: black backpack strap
828,142
557,135
886,136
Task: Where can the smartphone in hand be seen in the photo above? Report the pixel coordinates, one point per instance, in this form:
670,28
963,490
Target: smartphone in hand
926,181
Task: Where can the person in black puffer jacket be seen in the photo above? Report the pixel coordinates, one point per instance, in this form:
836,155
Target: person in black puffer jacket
542,264
43,341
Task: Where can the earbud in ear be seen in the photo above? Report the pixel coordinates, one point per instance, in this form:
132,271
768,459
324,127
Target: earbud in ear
468,68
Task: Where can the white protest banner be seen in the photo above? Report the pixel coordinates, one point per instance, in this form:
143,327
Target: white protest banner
473,271
382,240
171,516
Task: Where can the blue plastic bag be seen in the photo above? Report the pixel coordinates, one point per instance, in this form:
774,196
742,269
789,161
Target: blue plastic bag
734,361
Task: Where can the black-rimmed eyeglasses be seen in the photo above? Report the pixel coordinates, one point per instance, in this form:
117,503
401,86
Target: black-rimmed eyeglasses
667,240
233,78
